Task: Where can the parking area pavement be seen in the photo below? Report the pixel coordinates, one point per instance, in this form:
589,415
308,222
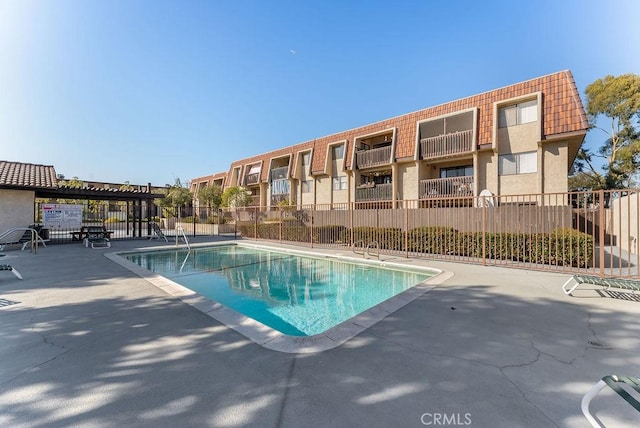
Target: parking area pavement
86,342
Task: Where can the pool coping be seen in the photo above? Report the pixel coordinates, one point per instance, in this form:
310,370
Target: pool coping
266,336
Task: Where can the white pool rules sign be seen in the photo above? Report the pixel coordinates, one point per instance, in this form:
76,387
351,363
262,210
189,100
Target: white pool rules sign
62,216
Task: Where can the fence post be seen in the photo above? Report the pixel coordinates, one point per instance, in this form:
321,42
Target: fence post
351,212
406,232
484,233
311,237
602,226
280,229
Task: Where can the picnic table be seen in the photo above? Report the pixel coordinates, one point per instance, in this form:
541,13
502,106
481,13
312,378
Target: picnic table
84,232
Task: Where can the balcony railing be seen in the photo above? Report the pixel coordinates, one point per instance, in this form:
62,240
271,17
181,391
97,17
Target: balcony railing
280,187
454,186
255,201
446,145
277,199
373,157
381,192
251,179
279,173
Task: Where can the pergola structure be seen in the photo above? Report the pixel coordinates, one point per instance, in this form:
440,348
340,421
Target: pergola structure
133,198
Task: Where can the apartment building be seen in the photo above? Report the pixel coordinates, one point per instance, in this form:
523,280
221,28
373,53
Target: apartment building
522,138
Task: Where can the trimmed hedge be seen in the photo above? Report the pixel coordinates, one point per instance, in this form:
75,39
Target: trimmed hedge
388,238
561,247
272,231
330,234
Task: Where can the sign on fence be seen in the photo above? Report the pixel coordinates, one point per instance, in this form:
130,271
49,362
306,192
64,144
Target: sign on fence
62,215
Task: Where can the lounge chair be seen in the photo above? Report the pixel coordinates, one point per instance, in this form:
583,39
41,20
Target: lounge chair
11,269
21,236
157,232
613,382
97,235
624,284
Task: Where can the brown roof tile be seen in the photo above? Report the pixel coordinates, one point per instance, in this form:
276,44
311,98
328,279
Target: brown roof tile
562,112
27,175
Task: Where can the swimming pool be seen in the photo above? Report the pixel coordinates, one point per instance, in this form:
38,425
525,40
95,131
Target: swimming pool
295,295
281,297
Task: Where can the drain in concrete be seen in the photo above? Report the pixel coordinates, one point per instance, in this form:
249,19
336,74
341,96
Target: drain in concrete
597,345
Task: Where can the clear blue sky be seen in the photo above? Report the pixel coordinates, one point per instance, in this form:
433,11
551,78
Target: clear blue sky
150,90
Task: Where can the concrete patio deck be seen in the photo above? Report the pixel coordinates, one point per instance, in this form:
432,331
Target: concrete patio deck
86,342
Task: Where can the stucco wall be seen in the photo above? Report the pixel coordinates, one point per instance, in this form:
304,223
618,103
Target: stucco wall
323,190
408,181
625,222
486,171
555,167
16,208
519,138
519,184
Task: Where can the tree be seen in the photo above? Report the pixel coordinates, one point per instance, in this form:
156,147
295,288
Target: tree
618,100
74,183
126,187
211,196
234,197
177,196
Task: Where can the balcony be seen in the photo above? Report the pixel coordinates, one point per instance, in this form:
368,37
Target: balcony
280,187
373,157
252,179
379,192
280,198
446,145
439,187
255,201
279,173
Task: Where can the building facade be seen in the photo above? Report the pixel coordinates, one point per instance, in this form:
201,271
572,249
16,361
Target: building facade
522,138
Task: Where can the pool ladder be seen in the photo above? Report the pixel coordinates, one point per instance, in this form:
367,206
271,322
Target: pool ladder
180,231
366,251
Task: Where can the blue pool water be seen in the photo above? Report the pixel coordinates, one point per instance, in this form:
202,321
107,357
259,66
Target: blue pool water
298,296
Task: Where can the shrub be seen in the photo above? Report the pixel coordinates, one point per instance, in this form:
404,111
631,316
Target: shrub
190,219
434,239
329,234
388,238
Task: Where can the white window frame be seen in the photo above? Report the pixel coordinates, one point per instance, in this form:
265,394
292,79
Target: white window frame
518,163
307,156
333,151
340,182
520,113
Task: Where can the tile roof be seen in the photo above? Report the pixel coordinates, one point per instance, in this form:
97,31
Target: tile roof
27,175
563,113
209,178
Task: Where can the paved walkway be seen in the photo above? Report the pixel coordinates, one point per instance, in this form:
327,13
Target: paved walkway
85,342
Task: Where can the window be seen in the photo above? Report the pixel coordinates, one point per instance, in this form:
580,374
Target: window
518,114
255,169
307,186
340,183
337,152
306,159
518,163
457,171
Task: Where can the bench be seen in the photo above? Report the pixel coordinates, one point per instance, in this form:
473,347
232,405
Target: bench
623,284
